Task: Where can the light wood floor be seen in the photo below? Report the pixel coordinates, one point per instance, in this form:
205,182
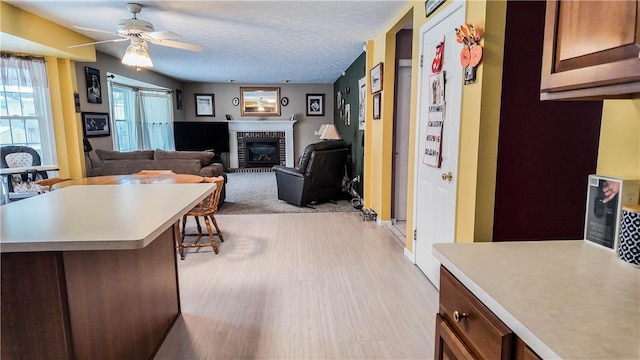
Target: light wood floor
302,286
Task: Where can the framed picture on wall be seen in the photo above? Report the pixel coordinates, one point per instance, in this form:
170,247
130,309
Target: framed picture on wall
205,105
95,124
376,78
178,99
94,91
376,106
315,104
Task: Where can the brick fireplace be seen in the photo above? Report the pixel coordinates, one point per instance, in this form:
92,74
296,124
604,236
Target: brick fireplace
262,133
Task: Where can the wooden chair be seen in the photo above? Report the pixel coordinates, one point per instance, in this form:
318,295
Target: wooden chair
46,184
154,172
206,209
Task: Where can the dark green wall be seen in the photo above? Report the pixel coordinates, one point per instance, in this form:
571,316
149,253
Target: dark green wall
348,85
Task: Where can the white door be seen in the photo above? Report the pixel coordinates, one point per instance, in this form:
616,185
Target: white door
401,155
435,190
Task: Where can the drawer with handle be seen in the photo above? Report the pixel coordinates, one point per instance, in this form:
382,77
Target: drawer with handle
485,335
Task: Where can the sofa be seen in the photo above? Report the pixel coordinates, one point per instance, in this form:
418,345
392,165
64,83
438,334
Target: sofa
180,162
319,174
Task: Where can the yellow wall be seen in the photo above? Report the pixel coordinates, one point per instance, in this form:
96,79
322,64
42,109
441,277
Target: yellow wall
619,150
25,33
479,124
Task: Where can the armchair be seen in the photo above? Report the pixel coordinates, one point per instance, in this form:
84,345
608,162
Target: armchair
318,176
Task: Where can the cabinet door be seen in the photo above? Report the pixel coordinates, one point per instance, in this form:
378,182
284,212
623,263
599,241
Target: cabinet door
523,352
448,345
591,49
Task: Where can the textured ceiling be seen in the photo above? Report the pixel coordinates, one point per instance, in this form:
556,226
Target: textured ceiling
246,41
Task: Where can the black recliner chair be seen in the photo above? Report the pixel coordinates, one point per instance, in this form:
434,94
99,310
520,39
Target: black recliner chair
318,176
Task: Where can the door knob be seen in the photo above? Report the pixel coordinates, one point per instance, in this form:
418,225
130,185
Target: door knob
447,177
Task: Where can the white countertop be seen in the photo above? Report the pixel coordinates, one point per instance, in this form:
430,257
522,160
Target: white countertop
96,217
565,299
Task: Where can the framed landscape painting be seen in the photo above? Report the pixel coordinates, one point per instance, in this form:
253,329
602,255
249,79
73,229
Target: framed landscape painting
260,101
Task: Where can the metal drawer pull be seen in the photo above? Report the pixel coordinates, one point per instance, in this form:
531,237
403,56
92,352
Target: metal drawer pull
457,316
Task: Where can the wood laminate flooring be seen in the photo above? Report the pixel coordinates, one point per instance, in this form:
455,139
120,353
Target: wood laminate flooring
302,286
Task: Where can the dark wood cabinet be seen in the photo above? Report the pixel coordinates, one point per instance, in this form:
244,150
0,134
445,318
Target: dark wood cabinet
93,304
591,50
467,329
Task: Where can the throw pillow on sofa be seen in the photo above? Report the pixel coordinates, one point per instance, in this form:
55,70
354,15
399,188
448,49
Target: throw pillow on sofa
205,157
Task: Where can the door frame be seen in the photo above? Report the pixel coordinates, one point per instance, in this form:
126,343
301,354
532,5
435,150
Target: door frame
401,63
437,19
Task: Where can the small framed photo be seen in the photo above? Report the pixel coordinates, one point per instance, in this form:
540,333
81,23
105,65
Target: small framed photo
205,105
94,91
315,104
376,106
376,78
95,124
178,99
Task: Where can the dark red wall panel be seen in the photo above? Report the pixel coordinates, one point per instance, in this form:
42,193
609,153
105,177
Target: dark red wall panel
546,149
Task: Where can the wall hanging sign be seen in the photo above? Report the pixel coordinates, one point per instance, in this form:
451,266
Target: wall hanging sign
471,53
436,115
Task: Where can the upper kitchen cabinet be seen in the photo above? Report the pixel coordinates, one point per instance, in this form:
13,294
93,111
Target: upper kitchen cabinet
591,50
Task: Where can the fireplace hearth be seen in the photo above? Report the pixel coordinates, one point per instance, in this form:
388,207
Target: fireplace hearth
261,152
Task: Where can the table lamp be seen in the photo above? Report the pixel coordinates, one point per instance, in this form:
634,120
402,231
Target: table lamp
329,133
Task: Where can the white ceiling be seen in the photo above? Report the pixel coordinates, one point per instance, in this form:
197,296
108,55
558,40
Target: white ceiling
245,41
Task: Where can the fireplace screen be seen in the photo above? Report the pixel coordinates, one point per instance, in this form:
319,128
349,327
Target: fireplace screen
261,152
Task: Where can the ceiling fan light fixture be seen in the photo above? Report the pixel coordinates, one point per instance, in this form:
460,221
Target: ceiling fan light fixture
136,55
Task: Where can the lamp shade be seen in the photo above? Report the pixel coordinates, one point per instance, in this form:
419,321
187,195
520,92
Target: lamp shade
319,132
330,133
137,55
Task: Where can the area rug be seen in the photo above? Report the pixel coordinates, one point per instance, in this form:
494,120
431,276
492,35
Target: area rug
257,193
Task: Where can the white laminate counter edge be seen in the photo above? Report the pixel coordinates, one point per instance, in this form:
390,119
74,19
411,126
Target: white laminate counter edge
507,318
11,241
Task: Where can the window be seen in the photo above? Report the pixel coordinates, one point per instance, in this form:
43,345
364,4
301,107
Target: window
142,118
25,106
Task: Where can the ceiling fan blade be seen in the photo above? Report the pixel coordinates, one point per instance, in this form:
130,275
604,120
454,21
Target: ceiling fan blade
176,44
94,30
98,42
161,35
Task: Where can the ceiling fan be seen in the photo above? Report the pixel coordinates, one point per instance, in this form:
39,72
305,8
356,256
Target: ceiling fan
139,32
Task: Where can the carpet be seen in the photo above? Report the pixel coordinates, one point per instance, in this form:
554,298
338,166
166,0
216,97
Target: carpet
257,193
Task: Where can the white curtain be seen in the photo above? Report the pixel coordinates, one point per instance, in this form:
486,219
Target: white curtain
23,71
155,120
145,118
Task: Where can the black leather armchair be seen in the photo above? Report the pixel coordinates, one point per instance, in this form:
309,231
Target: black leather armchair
318,176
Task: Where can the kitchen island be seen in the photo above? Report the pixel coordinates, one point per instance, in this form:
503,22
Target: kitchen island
564,299
90,272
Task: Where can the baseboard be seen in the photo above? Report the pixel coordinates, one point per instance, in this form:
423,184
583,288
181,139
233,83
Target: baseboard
383,222
410,255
